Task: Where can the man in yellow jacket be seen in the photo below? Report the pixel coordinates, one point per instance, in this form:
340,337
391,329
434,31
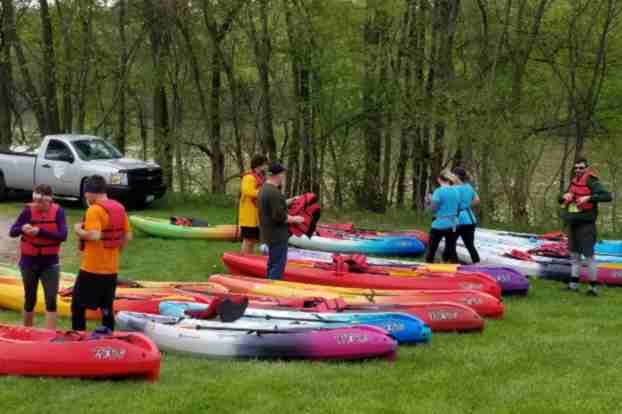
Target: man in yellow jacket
249,216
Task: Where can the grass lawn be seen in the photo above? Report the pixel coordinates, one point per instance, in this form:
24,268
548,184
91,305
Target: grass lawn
554,352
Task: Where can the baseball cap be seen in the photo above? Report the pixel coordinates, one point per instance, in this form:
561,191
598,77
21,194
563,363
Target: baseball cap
276,168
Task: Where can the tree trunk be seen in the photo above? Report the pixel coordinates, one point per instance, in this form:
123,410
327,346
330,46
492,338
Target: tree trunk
218,157
423,90
156,18
5,101
49,71
6,77
120,140
371,197
67,108
85,64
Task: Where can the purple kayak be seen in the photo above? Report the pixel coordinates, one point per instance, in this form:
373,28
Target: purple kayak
171,333
510,280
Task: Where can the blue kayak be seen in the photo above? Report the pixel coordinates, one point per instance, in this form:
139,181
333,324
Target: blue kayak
401,326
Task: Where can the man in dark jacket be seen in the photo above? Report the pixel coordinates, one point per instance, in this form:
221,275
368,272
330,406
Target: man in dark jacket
274,220
579,212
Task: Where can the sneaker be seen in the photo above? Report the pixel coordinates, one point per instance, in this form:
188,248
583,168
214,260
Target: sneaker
569,288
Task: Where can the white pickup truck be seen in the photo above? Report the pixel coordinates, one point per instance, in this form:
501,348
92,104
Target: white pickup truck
65,161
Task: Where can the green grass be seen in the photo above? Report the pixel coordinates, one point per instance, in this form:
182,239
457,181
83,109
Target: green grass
554,352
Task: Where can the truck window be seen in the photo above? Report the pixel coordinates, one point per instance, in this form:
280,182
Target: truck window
95,149
58,151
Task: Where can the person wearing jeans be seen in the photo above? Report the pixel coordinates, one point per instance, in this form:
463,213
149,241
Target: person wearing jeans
444,203
274,220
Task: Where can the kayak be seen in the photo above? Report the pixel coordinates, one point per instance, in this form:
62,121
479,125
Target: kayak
439,316
311,272
402,327
510,281
541,266
349,343
382,246
12,297
483,303
348,229
41,352
605,251
163,228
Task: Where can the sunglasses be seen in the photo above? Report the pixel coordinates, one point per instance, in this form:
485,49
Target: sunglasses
580,168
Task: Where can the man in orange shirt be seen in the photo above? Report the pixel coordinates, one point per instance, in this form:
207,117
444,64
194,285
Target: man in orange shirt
103,234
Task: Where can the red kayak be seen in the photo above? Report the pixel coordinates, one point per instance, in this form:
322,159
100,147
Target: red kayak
321,274
42,352
482,303
439,316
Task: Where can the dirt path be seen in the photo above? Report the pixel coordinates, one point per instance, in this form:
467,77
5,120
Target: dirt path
8,246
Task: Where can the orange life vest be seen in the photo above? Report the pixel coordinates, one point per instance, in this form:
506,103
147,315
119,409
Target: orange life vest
579,188
37,245
113,235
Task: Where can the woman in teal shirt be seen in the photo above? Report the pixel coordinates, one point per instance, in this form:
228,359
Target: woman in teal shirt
466,219
444,203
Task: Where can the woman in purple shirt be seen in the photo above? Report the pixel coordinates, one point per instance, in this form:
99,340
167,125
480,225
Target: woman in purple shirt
42,227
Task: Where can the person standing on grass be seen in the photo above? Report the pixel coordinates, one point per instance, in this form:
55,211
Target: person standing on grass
274,220
444,202
248,219
104,232
466,219
42,227
579,212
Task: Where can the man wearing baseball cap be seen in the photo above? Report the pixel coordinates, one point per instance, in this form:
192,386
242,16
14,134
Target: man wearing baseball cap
274,220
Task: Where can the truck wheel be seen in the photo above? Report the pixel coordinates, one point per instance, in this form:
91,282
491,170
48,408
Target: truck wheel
3,190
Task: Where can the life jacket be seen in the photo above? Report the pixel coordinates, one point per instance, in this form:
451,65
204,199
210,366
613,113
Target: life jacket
259,179
188,222
355,263
229,308
519,254
37,245
306,206
113,235
579,188
558,249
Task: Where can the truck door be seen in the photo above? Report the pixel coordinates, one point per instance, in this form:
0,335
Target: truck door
55,168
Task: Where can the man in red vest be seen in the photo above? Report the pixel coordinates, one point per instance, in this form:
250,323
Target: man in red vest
103,234
43,228
579,212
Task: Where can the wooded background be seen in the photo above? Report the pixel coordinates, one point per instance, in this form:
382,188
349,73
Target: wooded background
364,100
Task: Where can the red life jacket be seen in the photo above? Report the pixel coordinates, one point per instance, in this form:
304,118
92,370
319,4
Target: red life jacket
306,206
113,235
37,245
579,188
259,179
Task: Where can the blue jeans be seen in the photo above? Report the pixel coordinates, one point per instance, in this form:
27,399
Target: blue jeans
277,259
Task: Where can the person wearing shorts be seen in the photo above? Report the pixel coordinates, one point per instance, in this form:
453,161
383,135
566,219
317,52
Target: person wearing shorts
579,212
42,227
248,219
103,234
